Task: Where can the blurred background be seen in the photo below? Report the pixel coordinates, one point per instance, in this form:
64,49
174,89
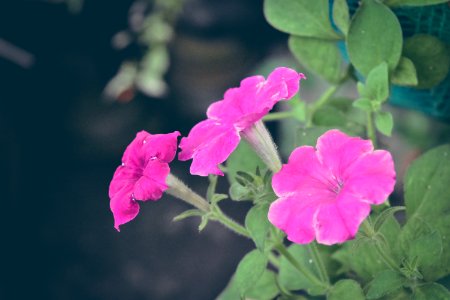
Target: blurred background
78,80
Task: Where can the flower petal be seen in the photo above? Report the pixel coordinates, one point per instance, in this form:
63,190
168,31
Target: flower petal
123,176
352,209
303,173
152,184
123,207
329,226
208,144
255,97
285,80
162,146
294,217
145,146
237,102
133,156
337,151
372,177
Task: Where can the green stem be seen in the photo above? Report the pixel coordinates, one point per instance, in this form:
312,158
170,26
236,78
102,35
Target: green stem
384,255
181,191
219,216
371,129
320,102
212,187
311,277
319,262
274,260
278,116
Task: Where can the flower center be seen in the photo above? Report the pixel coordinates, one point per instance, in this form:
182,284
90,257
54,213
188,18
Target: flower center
337,187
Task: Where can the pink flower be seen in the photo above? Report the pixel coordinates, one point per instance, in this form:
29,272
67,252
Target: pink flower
142,175
326,193
211,141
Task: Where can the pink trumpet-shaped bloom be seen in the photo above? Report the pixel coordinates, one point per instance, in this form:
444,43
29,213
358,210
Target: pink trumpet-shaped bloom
142,175
211,141
326,193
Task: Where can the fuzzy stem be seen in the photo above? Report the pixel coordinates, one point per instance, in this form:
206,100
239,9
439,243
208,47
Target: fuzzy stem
181,191
219,216
261,141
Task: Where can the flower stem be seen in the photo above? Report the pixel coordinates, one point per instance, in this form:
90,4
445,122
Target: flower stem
370,129
178,189
278,116
384,255
218,215
320,102
319,262
261,141
274,260
311,277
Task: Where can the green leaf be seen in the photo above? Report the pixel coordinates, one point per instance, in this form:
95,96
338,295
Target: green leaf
249,270
375,36
377,84
341,16
384,122
310,52
203,223
298,109
266,287
329,116
188,213
291,279
230,292
413,2
427,199
246,176
363,104
400,294
385,283
431,291
346,289
239,193
430,57
258,224
360,255
308,136
385,215
421,243
405,74
244,159
216,198
360,88
300,17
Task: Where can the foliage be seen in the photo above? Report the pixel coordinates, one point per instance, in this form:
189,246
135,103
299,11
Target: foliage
390,257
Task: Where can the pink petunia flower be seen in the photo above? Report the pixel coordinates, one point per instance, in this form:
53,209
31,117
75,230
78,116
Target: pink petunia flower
142,175
326,193
211,141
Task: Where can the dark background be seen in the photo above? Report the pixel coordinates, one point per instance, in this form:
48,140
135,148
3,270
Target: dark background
61,142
